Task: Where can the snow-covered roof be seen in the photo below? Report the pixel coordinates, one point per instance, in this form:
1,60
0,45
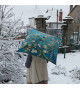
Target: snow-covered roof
38,16
68,17
52,19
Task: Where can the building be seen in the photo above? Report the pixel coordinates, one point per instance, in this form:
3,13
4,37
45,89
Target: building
56,22
75,13
38,23
54,25
71,27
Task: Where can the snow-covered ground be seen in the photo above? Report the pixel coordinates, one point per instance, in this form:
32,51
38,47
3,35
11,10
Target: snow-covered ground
67,70
13,70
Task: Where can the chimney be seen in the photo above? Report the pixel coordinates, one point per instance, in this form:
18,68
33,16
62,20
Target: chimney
71,7
60,15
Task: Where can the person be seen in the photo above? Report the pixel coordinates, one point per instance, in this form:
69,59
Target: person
36,70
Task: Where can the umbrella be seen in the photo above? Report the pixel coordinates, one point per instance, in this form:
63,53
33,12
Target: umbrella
40,44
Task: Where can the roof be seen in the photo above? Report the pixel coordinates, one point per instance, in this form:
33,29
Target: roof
68,18
53,19
38,17
73,8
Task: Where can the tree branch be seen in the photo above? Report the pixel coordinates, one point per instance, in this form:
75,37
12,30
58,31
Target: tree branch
8,11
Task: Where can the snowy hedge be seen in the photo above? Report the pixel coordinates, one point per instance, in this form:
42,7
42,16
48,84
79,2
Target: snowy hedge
59,70
11,63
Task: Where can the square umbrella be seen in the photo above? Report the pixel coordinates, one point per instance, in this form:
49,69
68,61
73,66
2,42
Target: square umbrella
40,44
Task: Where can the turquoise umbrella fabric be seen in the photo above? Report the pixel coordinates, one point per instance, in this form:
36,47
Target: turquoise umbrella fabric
40,44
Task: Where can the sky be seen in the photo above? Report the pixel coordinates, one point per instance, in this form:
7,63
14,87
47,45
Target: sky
27,11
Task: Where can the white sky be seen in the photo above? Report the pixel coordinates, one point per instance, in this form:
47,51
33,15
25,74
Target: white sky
30,11
27,7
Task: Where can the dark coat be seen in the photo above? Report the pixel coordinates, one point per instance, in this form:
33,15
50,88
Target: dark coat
28,61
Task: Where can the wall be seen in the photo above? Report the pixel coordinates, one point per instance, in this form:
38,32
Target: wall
76,15
53,25
38,23
67,30
74,26
32,23
41,24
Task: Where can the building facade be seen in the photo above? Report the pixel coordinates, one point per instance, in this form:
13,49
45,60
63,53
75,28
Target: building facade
71,31
38,23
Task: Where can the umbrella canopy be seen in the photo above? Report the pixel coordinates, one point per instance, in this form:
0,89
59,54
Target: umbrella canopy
42,45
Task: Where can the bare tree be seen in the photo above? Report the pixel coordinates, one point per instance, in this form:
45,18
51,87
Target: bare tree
6,22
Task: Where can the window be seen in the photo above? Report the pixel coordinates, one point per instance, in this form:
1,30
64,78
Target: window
74,38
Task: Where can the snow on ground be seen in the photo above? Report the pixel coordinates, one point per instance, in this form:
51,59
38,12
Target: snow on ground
64,66
13,70
71,61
